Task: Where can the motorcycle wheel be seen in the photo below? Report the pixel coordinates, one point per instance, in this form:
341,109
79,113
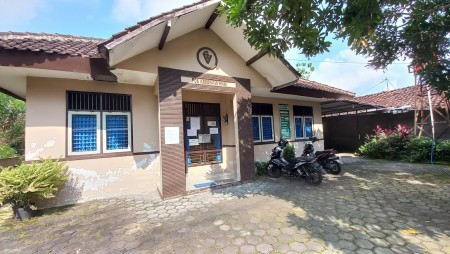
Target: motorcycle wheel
314,177
273,171
334,168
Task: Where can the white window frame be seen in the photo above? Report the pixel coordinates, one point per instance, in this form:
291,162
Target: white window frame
259,128
128,149
70,141
261,136
303,119
303,127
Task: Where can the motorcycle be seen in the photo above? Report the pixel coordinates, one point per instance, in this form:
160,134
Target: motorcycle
327,158
303,167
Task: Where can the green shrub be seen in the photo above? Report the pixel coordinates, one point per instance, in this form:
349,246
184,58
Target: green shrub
7,152
260,167
289,152
443,151
418,149
375,148
21,185
387,143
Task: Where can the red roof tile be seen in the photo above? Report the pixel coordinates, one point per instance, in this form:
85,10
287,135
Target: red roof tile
319,86
51,43
400,97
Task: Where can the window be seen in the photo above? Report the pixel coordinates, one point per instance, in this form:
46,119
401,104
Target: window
202,128
262,119
84,132
98,123
116,134
303,121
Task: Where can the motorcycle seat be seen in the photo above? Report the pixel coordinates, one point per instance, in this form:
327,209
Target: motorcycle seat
322,152
301,158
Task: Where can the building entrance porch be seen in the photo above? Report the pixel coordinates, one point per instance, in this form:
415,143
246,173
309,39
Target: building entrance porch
210,150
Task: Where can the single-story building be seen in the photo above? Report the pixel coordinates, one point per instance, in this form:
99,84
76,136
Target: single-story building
175,103
360,116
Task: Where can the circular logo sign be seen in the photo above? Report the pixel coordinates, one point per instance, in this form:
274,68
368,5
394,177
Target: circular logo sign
207,58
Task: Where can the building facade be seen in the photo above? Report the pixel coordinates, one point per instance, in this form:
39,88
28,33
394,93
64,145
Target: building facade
177,103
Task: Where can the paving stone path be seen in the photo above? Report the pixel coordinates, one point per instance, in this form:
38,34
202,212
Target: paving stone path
372,207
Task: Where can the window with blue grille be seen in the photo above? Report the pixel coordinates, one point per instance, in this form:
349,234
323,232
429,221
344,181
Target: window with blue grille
84,133
85,110
256,128
262,120
308,127
298,121
303,120
117,127
84,130
267,128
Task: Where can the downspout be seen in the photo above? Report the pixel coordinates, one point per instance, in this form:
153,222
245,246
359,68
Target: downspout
432,123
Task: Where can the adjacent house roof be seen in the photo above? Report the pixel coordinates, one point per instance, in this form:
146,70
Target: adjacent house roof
51,43
402,97
300,86
389,101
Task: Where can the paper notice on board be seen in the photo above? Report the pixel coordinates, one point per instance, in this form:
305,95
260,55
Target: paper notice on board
204,138
193,142
172,135
191,132
212,123
195,123
213,130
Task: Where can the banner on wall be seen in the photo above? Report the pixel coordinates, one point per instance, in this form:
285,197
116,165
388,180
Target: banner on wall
285,124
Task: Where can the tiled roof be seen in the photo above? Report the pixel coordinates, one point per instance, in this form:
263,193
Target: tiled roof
141,26
51,43
322,87
400,97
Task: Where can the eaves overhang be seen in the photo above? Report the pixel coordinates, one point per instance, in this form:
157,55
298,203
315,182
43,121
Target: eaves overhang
339,106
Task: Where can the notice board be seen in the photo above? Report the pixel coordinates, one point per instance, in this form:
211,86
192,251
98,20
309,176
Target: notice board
285,123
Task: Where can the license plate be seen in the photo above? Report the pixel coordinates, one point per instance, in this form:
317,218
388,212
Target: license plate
340,162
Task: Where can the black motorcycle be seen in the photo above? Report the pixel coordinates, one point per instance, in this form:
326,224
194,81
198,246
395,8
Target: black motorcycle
304,166
327,158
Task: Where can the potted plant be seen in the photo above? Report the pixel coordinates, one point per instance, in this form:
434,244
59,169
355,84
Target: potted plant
21,185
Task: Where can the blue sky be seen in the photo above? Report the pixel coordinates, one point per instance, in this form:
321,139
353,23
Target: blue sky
102,18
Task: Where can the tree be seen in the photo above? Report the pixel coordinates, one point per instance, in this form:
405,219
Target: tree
382,30
12,122
305,69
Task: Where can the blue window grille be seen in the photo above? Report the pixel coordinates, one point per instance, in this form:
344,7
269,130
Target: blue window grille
267,130
256,134
308,127
84,133
298,121
116,132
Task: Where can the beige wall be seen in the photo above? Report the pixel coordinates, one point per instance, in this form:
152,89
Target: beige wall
181,53
45,136
262,152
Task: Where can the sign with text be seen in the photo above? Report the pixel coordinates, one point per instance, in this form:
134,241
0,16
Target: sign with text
285,123
209,82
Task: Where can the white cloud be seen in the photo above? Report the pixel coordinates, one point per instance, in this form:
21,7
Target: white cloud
351,75
132,11
14,14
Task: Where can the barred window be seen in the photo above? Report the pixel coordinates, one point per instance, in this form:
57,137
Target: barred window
262,118
98,123
303,121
